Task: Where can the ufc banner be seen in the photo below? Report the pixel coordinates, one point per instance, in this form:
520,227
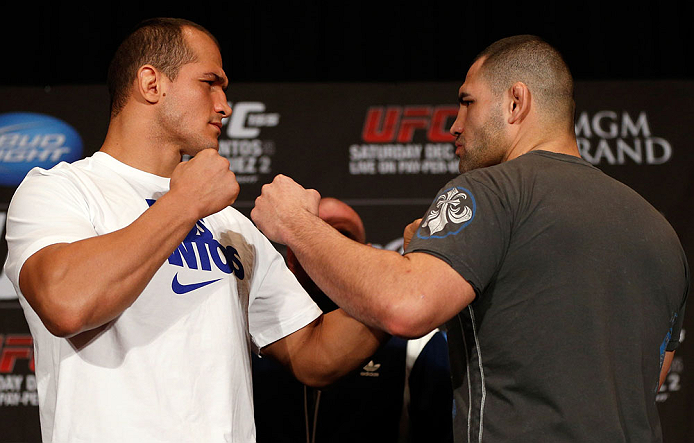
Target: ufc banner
384,149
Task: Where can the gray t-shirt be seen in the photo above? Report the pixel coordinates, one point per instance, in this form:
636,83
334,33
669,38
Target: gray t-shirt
580,288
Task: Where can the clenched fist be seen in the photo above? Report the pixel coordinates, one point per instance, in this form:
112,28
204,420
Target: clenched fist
205,183
281,206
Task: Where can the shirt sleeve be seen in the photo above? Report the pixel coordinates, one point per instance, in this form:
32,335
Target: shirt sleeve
45,210
278,304
468,226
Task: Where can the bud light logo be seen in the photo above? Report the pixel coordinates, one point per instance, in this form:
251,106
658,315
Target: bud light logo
28,140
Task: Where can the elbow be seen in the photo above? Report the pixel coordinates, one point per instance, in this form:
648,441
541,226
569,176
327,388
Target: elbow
320,379
320,382
62,321
63,327
66,301
405,321
62,309
408,328
61,313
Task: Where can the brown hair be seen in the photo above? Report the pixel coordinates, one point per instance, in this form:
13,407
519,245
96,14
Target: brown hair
536,63
158,42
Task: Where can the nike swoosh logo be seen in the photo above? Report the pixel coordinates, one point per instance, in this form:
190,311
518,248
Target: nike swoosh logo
180,288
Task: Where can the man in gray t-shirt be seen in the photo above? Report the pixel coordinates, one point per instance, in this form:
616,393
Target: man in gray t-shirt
562,290
579,292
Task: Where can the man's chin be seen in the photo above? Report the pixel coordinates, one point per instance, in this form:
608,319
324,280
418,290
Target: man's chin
467,165
464,166
215,144
192,152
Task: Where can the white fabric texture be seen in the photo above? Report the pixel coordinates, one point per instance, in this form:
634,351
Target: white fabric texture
173,366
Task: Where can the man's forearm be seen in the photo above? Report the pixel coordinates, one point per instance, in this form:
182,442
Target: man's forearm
327,349
352,274
404,295
82,285
383,289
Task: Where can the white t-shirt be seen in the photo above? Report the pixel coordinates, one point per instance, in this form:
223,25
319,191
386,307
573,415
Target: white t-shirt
174,366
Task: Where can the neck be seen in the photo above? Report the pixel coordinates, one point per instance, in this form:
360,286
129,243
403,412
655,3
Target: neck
561,142
129,142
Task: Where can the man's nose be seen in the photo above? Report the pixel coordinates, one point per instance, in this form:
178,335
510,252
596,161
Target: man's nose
457,126
223,107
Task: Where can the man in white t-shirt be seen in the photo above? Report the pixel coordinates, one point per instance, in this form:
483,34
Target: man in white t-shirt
144,290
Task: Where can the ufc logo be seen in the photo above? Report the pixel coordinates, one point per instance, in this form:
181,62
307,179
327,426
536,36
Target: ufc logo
397,123
15,347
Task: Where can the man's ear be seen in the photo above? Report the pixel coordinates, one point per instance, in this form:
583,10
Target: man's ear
520,103
149,83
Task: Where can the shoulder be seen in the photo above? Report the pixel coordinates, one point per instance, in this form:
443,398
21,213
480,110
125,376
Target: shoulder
65,168
533,172
51,179
56,180
531,164
63,175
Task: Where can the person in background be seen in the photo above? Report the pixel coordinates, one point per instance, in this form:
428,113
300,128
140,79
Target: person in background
403,394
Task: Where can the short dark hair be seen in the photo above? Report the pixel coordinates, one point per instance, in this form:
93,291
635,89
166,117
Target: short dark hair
157,41
533,61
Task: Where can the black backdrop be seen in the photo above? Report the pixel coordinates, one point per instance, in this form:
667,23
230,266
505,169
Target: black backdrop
60,42
315,72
